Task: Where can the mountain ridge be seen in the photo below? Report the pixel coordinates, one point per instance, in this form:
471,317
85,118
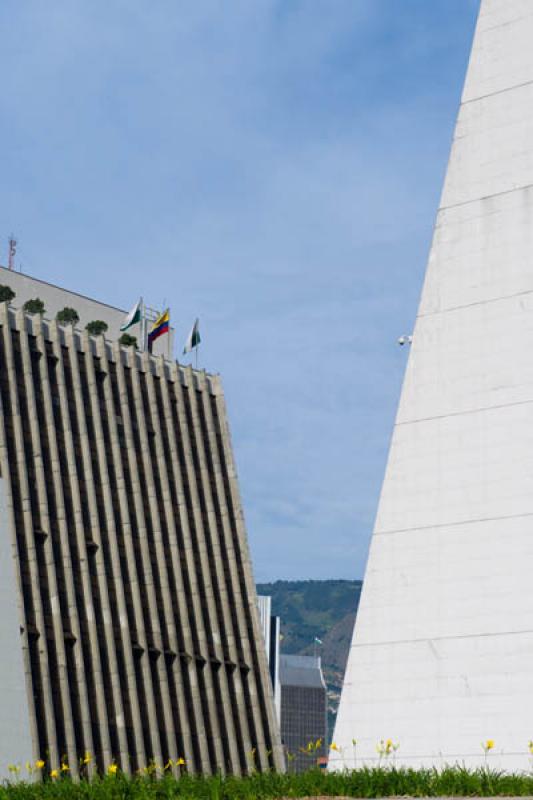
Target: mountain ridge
325,609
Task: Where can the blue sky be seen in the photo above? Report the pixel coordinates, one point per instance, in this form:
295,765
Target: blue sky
273,166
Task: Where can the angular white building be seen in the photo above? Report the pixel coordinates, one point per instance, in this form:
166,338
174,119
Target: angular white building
442,654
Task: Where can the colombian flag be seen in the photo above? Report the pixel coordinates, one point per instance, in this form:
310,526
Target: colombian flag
160,326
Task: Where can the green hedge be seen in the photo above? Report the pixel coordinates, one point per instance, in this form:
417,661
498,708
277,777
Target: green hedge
452,781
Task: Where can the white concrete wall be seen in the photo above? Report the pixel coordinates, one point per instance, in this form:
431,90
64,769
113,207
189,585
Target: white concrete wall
442,655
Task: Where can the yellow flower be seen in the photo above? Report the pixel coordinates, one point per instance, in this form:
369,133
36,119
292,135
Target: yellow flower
29,767
333,746
87,758
40,764
180,762
54,773
112,769
64,767
386,747
530,746
14,768
169,764
489,744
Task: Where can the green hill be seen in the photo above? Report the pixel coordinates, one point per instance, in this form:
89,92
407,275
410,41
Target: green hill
325,609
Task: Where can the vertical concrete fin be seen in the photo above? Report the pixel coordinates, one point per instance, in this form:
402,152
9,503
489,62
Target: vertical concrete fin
266,730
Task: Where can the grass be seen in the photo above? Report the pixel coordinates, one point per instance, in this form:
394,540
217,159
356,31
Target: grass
376,782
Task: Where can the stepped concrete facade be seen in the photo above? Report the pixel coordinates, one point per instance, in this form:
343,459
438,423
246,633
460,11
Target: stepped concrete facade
442,653
129,626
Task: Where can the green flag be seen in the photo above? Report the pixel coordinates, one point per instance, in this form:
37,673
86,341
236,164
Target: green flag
133,317
193,339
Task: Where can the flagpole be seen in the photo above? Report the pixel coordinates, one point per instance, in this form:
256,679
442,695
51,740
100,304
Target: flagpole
143,325
196,348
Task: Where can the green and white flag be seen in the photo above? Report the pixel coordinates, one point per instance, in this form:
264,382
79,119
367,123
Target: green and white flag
193,339
133,317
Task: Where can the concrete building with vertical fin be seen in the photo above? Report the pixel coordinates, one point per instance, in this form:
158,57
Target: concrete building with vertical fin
129,617
442,653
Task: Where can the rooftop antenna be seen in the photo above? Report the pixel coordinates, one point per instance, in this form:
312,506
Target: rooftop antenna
12,251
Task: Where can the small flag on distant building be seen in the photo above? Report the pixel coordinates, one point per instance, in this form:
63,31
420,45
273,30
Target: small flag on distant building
160,326
133,317
193,338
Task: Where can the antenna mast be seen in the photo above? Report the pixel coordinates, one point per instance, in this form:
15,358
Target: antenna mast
12,251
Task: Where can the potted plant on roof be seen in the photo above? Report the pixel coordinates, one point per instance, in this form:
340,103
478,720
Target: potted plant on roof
34,306
128,341
96,327
6,294
67,316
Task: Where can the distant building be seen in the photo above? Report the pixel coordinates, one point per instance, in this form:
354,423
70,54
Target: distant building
128,621
303,710
271,633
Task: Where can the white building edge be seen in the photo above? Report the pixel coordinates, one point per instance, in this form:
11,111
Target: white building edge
442,654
